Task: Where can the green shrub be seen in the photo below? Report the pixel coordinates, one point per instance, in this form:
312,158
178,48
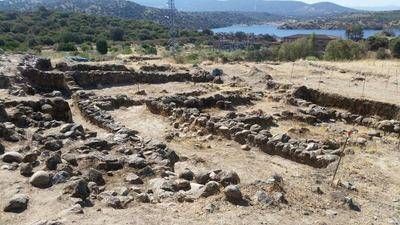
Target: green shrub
102,46
149,49
66,47
298,49
382,54
376,42
86,47
344,50
395,47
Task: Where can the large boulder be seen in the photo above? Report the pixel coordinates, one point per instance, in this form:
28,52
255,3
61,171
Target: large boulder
17,204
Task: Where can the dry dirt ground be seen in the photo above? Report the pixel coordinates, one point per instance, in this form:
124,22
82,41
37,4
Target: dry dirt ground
374,169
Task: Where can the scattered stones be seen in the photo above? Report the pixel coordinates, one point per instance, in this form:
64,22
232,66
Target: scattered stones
17,204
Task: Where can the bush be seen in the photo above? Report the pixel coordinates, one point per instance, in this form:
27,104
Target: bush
344,50
298,49
66,47
86,47
377,42
382,54
395,47
102,46
149,49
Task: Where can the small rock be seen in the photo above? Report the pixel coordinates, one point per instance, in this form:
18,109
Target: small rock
351,204
10,157
40,179
361,141
143,198
2,149
132,178
76,209
80,189
53,145
233,194
317,190
202,177
211,188
245,147
187,174
17,204
96,176
26,169
263,198
30,157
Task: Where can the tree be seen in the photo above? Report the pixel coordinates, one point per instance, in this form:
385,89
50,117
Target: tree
355,32
395,47
102,46
117,34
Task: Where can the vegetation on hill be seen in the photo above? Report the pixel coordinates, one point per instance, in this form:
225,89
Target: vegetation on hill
29,30
368,20
130,10
282,8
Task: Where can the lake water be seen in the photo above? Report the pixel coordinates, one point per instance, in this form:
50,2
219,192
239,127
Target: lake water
273,30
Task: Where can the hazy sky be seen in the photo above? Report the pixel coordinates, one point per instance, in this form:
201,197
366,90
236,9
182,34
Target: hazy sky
361,3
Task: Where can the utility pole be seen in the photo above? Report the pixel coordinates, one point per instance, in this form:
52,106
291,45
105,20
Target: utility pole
172,27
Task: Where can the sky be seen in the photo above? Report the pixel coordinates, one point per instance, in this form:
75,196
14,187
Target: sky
361,3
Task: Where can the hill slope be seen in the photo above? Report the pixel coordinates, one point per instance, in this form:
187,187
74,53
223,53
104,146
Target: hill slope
131,10
282,8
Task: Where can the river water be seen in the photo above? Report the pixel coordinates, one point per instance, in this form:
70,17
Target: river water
273,30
